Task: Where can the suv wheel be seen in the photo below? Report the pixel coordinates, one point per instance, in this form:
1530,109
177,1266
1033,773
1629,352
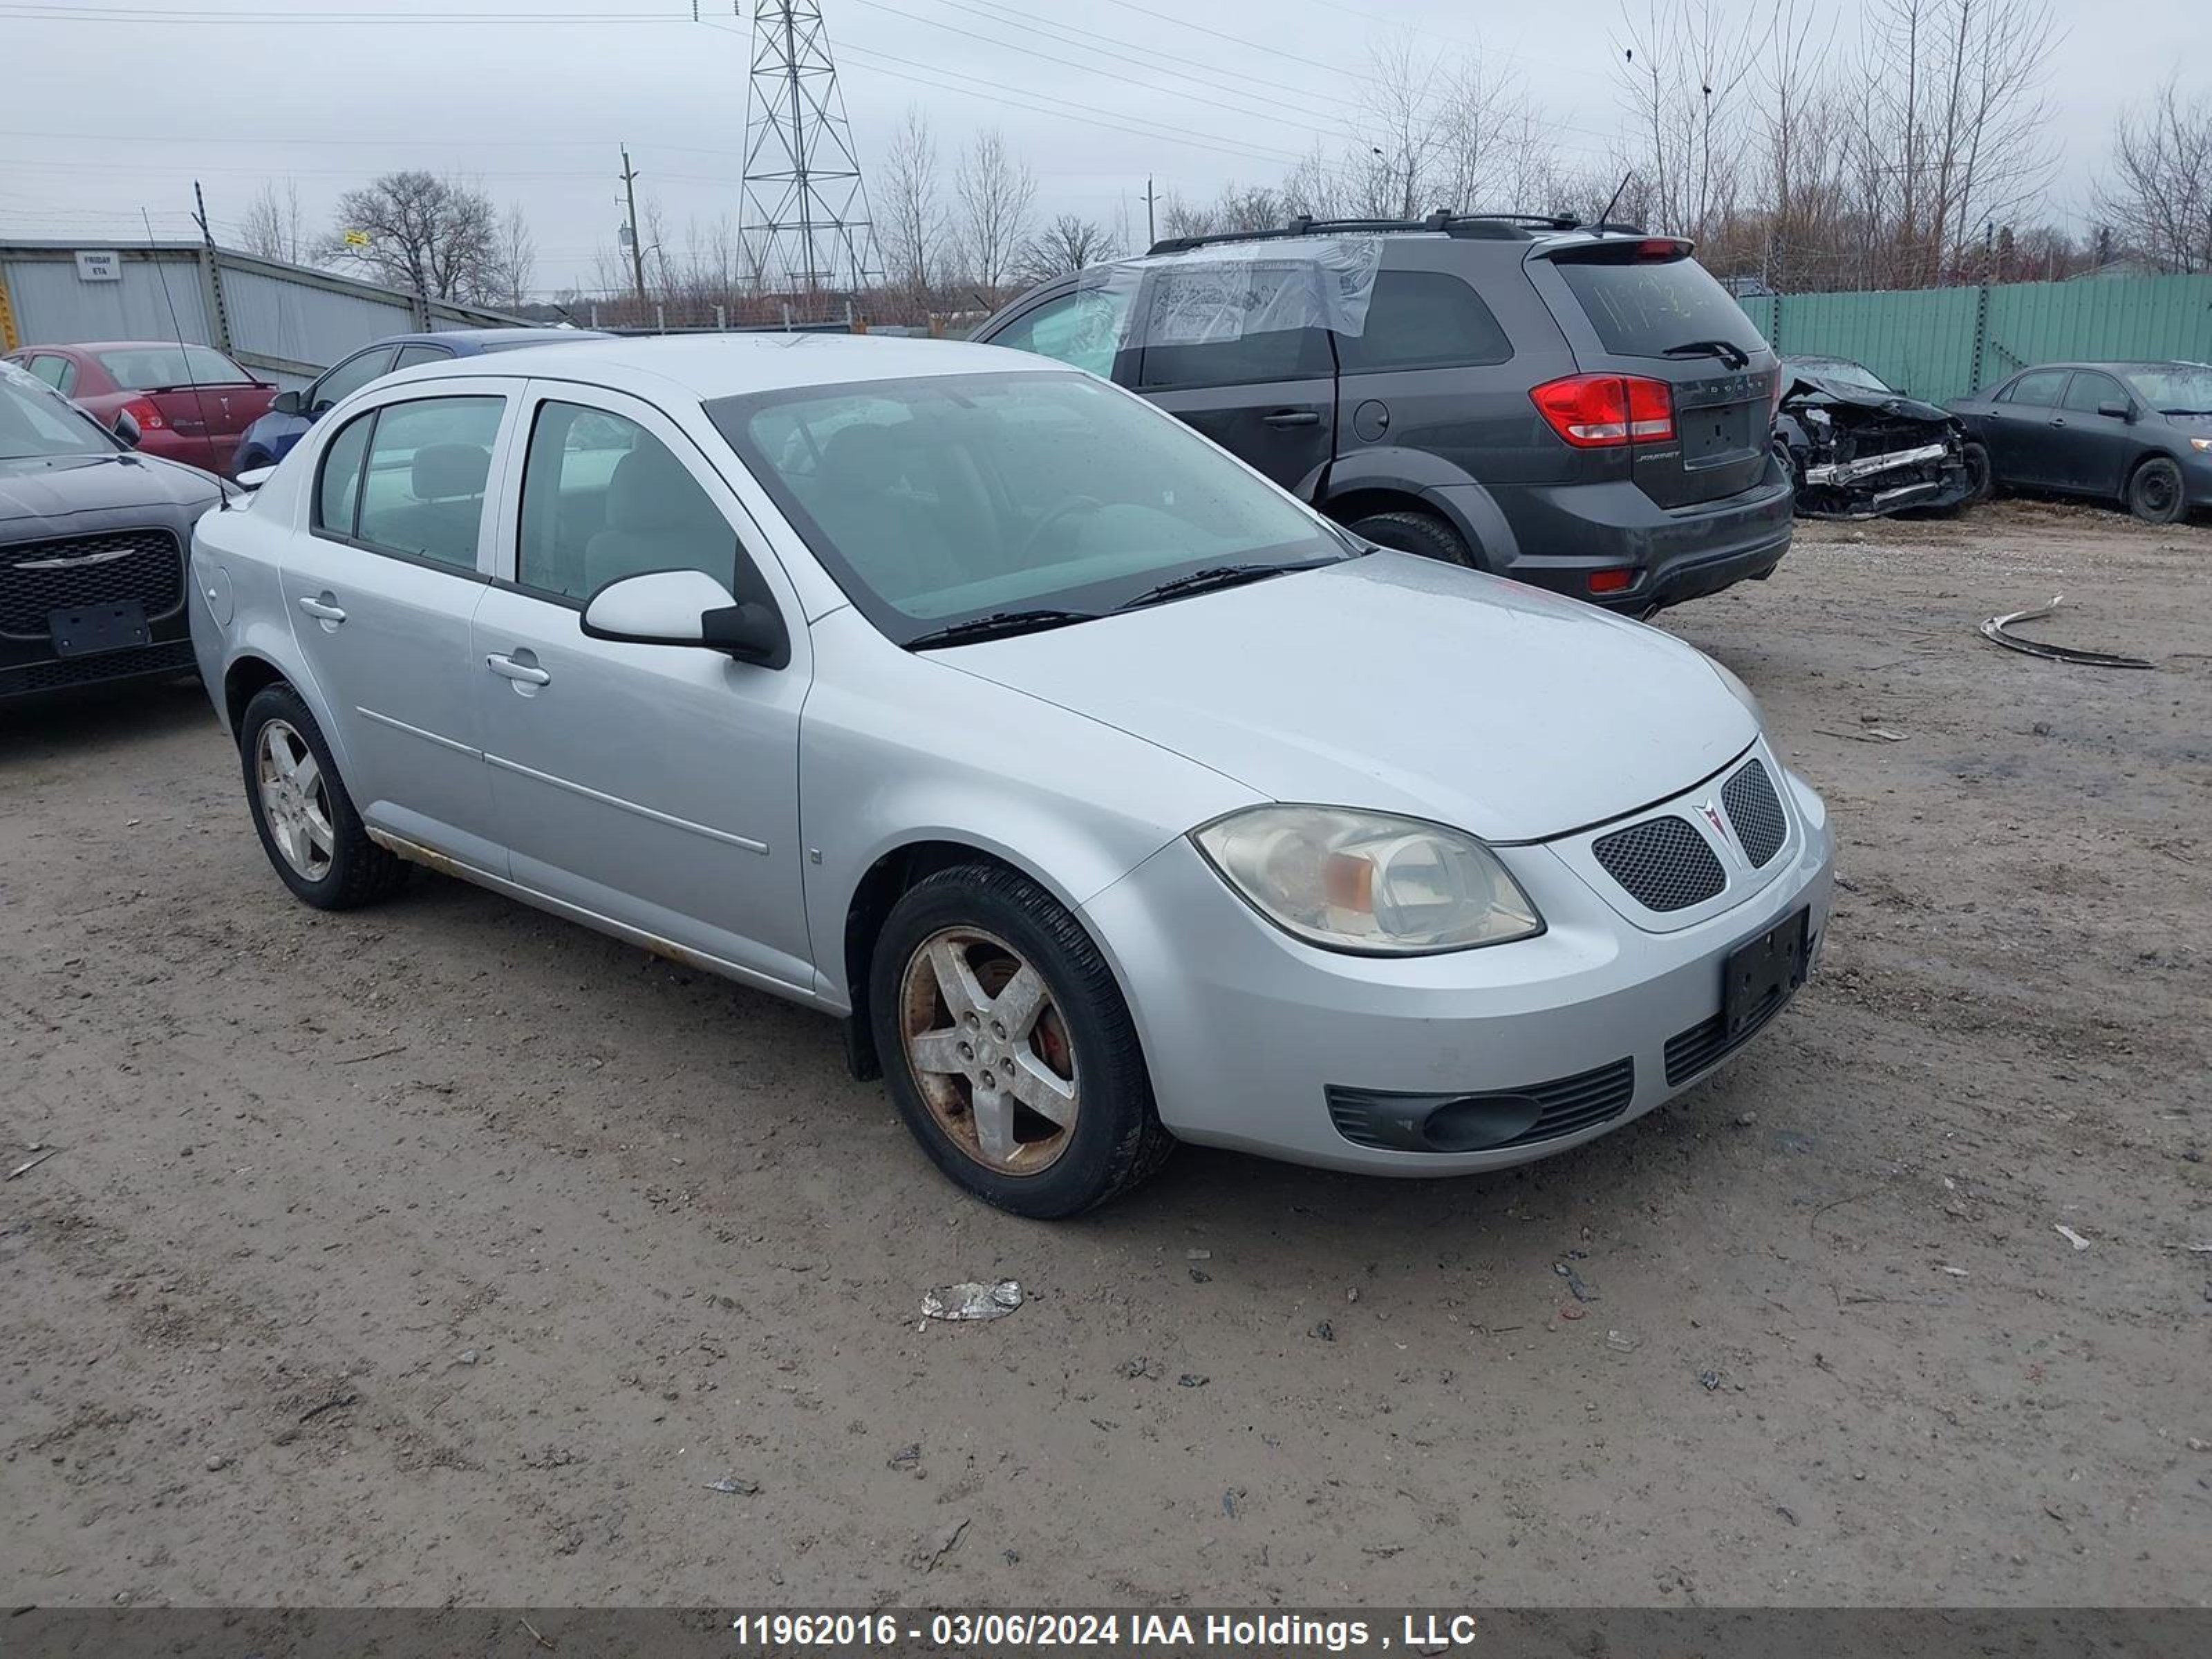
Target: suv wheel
307,821
1417,533
1007,1046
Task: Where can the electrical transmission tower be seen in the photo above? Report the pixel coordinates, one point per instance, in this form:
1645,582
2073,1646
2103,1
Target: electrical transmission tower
806,207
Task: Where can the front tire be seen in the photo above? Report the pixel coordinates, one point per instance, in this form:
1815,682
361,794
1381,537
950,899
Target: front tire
1981,479
2155,494
1417,533
306,822
1007,1046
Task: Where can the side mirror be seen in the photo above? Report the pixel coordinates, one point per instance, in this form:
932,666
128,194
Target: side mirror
288,403
687,607
126,427
2117,411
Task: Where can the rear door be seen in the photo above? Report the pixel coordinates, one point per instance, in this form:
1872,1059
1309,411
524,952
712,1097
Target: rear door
1642,306
2090,451
381,588
1266,397
2022,445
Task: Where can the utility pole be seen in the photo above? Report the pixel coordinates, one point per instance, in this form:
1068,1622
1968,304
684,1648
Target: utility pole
1151,235
636,247
210,273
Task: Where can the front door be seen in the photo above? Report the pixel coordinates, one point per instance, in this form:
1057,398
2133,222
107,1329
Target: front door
2022,444
380,591
655,785
2090,449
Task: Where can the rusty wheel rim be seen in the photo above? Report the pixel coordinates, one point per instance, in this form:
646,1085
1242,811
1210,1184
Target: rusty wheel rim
988,1050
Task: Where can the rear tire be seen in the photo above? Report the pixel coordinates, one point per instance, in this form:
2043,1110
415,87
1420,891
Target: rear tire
952,1068
315,838
1417,533
2156,493
1981,481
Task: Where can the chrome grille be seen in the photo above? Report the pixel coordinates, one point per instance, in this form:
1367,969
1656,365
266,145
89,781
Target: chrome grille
38,577
1756,812
1662,863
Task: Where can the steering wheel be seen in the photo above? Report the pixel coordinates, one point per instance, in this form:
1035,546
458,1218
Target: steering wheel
1073,503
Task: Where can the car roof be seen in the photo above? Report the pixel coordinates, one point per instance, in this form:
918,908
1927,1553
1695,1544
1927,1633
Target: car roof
488,339
116,345
711,366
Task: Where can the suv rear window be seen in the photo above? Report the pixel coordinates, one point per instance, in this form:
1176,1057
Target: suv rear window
1640,307
1422,319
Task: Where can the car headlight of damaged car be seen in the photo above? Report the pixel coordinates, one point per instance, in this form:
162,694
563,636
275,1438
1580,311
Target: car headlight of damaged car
1367,882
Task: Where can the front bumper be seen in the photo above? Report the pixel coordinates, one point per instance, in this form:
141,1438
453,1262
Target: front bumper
1247,1030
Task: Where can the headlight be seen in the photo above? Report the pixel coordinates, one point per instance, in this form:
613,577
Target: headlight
1367,882
1744,693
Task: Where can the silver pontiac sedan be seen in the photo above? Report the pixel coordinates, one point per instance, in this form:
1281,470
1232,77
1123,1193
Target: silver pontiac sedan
1109,795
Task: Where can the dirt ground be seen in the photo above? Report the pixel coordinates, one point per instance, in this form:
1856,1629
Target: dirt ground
448,1252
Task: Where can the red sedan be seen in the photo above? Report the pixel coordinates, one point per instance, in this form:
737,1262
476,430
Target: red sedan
190,402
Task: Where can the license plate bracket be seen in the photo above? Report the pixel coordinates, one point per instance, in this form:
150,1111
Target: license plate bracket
1763,972
90,629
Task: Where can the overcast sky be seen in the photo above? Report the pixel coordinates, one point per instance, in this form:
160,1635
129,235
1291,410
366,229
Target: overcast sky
114,104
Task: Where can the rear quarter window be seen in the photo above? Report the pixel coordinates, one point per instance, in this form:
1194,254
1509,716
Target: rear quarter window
1641,307
1422,319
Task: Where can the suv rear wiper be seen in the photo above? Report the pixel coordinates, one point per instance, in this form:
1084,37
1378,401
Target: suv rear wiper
1216,576
1000,624
1727,350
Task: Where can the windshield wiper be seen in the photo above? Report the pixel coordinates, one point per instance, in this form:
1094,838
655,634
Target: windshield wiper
1727,350
1000,624
1216,576
2185,411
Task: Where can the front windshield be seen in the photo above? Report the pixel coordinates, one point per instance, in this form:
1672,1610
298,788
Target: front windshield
941,499
2175,388
35,422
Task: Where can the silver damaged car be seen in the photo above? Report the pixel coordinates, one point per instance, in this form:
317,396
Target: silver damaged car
1109,795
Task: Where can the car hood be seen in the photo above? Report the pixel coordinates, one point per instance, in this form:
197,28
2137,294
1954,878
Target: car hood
1395,683
37,491
1798,385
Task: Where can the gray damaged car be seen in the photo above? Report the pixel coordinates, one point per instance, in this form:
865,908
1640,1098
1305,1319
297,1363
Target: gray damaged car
1858,448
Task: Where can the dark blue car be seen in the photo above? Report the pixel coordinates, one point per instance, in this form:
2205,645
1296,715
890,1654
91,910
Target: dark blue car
263,443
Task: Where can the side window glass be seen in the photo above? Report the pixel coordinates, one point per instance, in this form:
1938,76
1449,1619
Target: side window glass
2088,391
65,382
2040,389
603,498
349,377
1081,329
422,492
1194,331
49,369
411,354
337,487
1422,319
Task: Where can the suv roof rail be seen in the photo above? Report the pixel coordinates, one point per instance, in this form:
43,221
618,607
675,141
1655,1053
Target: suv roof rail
1476,227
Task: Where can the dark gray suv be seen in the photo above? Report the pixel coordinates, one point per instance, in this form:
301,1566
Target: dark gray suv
1583,408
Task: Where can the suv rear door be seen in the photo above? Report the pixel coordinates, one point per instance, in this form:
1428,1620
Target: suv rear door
1624,303
1269,399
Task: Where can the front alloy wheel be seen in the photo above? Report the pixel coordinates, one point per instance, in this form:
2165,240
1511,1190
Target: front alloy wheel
989,1051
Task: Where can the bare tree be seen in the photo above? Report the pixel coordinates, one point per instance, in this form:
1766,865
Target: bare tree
2157,196
1685,72
1067,244
274,226
515,256
433,236
910,215
995,192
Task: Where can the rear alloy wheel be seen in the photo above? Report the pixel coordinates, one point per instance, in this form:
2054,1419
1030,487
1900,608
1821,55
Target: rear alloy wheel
1417,533
2154,492
307,825
1008,1048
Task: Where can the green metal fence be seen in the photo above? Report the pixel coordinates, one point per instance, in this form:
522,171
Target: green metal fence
1947,342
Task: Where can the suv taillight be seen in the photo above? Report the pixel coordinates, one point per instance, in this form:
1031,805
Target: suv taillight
1605,411
146,413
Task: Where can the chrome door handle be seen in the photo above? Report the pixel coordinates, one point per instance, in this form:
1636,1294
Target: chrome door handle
510,669
317,608
1292,417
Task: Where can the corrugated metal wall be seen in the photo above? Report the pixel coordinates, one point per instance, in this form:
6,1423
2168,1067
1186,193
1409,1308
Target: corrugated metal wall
1947,342
286,322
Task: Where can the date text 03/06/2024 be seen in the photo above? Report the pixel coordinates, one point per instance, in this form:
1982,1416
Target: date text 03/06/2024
1272,1632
